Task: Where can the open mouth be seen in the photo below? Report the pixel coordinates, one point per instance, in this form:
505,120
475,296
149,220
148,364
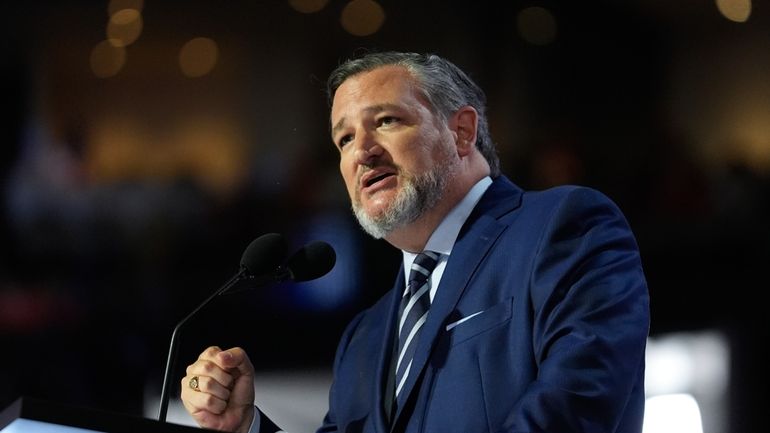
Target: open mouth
375,179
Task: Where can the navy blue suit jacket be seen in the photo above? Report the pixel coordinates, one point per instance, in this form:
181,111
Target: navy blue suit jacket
554,282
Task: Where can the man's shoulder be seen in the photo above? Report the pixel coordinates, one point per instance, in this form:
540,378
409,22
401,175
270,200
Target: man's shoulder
505,199
565,190
503,186
542,207
574,195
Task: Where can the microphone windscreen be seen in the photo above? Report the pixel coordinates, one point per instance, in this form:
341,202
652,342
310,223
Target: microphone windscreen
312,261
265,254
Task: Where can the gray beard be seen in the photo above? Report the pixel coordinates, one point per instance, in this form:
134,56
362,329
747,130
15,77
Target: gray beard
417,195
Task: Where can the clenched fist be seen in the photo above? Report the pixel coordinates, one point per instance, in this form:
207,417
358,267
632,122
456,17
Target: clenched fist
218,390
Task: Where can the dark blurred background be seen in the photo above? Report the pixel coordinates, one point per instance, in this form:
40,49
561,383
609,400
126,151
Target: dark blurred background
145,144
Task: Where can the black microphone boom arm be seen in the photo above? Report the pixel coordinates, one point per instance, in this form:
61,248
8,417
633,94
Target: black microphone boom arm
173,350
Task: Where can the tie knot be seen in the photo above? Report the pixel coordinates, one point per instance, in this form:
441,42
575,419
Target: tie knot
421,268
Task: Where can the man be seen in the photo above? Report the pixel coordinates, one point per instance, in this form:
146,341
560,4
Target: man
534,315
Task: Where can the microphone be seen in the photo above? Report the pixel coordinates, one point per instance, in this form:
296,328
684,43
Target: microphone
263,255
314,260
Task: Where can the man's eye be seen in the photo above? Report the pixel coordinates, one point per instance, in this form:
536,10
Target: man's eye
344,140
388,120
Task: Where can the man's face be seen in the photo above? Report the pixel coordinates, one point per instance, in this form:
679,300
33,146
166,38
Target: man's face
395,154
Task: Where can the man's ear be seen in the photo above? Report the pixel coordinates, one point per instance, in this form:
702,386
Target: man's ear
464,124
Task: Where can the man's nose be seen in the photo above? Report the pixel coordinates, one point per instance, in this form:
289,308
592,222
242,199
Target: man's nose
368,149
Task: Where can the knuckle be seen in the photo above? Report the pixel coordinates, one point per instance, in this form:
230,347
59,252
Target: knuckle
214,404
211,351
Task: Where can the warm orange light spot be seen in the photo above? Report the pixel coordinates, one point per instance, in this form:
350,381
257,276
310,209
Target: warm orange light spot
208,150
198,57
124,27
107,60
362,17
735,10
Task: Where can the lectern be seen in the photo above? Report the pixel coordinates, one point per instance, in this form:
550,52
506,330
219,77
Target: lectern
28,415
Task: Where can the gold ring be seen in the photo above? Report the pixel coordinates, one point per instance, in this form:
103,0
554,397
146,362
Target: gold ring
194,383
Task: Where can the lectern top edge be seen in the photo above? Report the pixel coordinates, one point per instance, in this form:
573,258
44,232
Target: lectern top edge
85,418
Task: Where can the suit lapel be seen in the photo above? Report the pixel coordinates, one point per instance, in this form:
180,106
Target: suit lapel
473,243
384,388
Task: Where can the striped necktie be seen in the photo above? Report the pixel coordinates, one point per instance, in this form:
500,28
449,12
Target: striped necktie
412,315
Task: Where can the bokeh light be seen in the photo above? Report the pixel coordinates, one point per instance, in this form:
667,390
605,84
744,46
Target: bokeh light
735,10
362,17
124,27
107,59
198,57
536,25
674,413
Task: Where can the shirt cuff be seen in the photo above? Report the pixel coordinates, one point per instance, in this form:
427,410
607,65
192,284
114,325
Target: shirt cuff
254,428
257,421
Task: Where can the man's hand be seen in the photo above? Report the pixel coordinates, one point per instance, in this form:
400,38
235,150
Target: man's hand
218,390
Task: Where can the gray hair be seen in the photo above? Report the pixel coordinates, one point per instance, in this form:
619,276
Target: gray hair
446,87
